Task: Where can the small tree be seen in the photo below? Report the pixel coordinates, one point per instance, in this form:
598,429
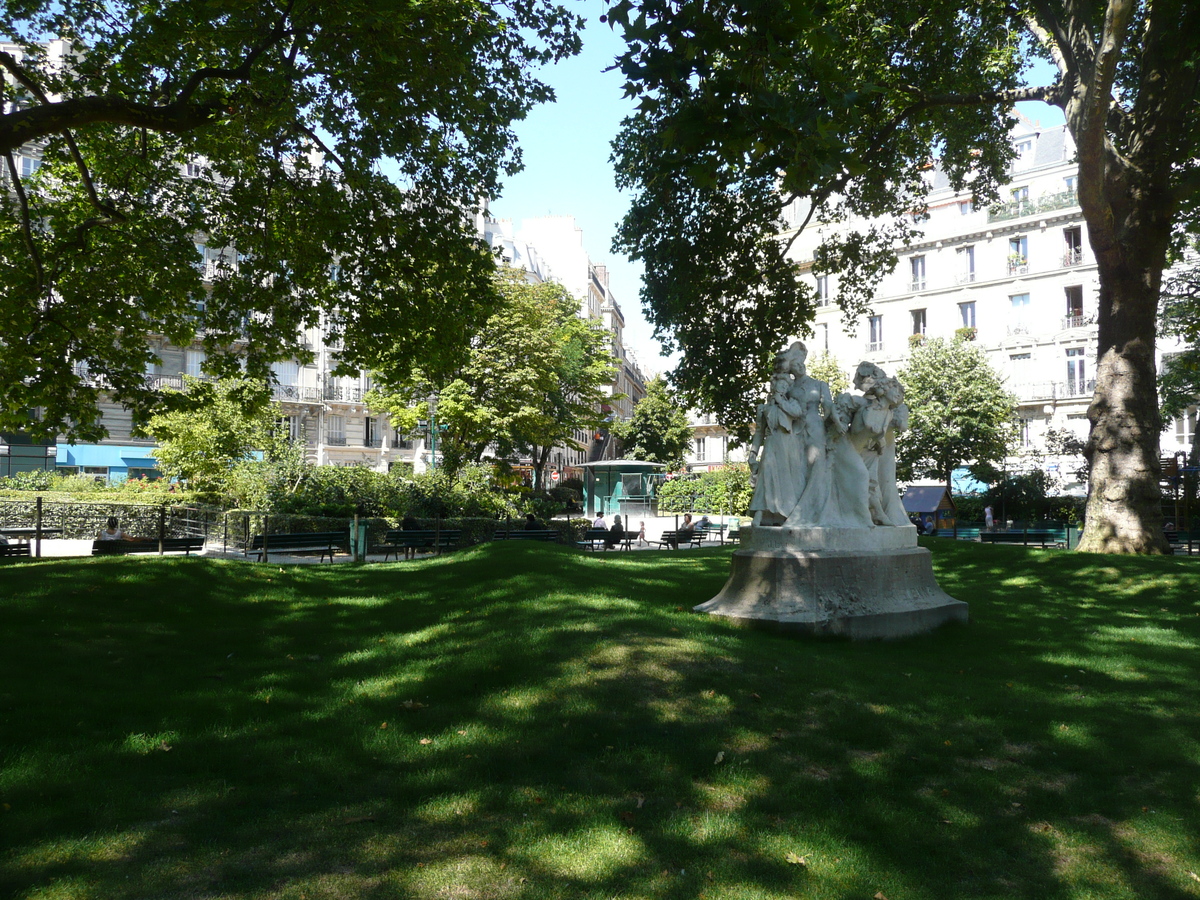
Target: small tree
658,430
219,425
959,410
826,367
532,378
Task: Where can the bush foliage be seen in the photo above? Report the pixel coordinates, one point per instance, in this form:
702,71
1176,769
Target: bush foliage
723,492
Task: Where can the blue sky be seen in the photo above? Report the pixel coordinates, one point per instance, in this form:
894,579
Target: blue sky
566,149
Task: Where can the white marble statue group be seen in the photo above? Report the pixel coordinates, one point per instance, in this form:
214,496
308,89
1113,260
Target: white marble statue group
826,462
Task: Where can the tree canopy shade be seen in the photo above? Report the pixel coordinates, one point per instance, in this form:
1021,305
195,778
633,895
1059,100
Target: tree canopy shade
533,378
329,157
658,430
745,107
959,410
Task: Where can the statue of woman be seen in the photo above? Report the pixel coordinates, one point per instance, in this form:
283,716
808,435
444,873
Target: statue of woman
880,414
817,411
850,483
778,471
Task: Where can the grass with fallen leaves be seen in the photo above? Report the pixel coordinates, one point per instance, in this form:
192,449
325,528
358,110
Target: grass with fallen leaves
520,721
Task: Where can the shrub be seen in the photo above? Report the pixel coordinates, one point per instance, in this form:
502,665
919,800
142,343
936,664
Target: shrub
726,491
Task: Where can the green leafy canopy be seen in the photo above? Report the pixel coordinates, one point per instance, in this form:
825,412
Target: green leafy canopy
329,155
959,410
533,377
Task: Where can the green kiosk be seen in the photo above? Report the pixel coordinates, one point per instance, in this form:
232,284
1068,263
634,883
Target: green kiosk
625,486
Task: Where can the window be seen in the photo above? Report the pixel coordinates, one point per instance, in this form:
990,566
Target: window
875,326
29,165
966,207
965,257
1020,313
1076,384
135,474
1020,198
1074,295
699,448
335,430
370,433
1024,148
1185,427
192,170
967,312
1070,184
402,441
286,372
1018,255
291,428
917,267
822,290
1072,246
193,360
1026,440
822,334
96,473
918,321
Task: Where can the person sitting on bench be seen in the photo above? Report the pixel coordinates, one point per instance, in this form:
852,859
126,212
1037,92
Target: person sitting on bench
616,534
112,532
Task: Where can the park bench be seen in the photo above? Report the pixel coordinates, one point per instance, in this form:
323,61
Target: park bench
713,531
185,545
670,539
12,551
597,538
594,538
1026,538
418,539
537,534
322,542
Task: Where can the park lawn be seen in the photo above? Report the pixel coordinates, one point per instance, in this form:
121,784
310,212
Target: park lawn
521,721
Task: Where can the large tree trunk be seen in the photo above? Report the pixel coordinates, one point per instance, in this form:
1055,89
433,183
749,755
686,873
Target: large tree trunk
1124,506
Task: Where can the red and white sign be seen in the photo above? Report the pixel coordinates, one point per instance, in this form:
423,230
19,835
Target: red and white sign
554,477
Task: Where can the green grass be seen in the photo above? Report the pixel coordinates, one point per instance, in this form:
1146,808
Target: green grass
528,722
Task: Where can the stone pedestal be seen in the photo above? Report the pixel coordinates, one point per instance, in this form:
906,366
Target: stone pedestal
858,583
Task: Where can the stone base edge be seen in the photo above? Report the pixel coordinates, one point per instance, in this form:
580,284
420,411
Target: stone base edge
875,595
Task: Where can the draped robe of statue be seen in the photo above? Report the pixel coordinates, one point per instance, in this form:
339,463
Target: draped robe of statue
816,403
780,476
850,483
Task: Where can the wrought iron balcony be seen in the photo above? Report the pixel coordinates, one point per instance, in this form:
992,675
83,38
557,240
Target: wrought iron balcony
1079,321
296,393
1018,265
335,440
1073,258
964,278
1047,203
343,394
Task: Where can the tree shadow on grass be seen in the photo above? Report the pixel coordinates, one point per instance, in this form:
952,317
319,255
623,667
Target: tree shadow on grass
530,722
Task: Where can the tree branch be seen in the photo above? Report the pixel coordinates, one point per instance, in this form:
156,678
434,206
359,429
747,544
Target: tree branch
26,224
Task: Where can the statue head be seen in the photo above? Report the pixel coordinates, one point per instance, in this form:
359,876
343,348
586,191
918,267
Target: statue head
866,376
796,355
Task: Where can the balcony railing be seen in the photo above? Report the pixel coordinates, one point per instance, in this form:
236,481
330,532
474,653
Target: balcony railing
1046,203
874,346
1079,321
1019,328
335,440
163,382
343,394
375,442
297,393
1072,258
917,284
964,278
1038,391
1018,266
